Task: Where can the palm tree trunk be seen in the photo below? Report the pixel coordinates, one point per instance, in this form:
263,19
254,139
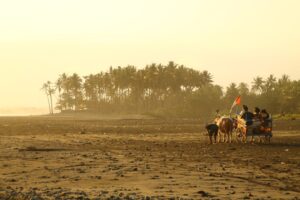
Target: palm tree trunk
48,103
51,104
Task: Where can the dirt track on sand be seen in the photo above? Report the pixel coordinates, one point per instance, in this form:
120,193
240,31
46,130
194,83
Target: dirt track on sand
44,158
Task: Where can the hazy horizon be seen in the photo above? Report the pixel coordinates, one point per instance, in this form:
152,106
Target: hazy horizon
233,40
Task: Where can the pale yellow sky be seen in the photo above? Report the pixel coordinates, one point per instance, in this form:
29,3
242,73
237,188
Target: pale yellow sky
235,40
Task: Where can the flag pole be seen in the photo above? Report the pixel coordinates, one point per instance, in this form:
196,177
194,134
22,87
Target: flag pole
236,102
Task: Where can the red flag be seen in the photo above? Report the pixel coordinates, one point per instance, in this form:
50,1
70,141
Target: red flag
237,101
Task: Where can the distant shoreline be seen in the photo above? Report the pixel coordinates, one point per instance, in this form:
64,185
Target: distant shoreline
20,115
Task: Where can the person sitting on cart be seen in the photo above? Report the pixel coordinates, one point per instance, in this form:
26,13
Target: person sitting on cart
247,116
257,114
217,117
257,121
265,117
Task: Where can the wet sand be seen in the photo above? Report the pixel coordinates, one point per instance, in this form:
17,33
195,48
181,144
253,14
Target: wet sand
45,158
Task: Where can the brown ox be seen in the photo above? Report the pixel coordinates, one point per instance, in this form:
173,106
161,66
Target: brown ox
226,126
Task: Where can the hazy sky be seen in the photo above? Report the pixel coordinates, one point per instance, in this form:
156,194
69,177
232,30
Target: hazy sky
234,40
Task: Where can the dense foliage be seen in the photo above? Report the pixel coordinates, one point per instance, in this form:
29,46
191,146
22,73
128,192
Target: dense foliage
169,90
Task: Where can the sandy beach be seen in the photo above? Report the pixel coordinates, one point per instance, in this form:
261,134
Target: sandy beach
59,158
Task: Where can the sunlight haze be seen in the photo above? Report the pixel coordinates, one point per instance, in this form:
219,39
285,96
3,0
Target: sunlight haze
234,40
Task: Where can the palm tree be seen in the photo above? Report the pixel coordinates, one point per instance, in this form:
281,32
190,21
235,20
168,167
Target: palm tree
59,87
284,83
231,93
257,84
49,91
243,89
205,78
45,89
63,87
76,86
270,83
92,91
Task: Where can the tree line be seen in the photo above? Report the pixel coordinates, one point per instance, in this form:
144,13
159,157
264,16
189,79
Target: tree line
167,90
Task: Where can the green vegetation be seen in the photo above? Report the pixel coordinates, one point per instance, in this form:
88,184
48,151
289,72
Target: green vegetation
169,90
286,116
